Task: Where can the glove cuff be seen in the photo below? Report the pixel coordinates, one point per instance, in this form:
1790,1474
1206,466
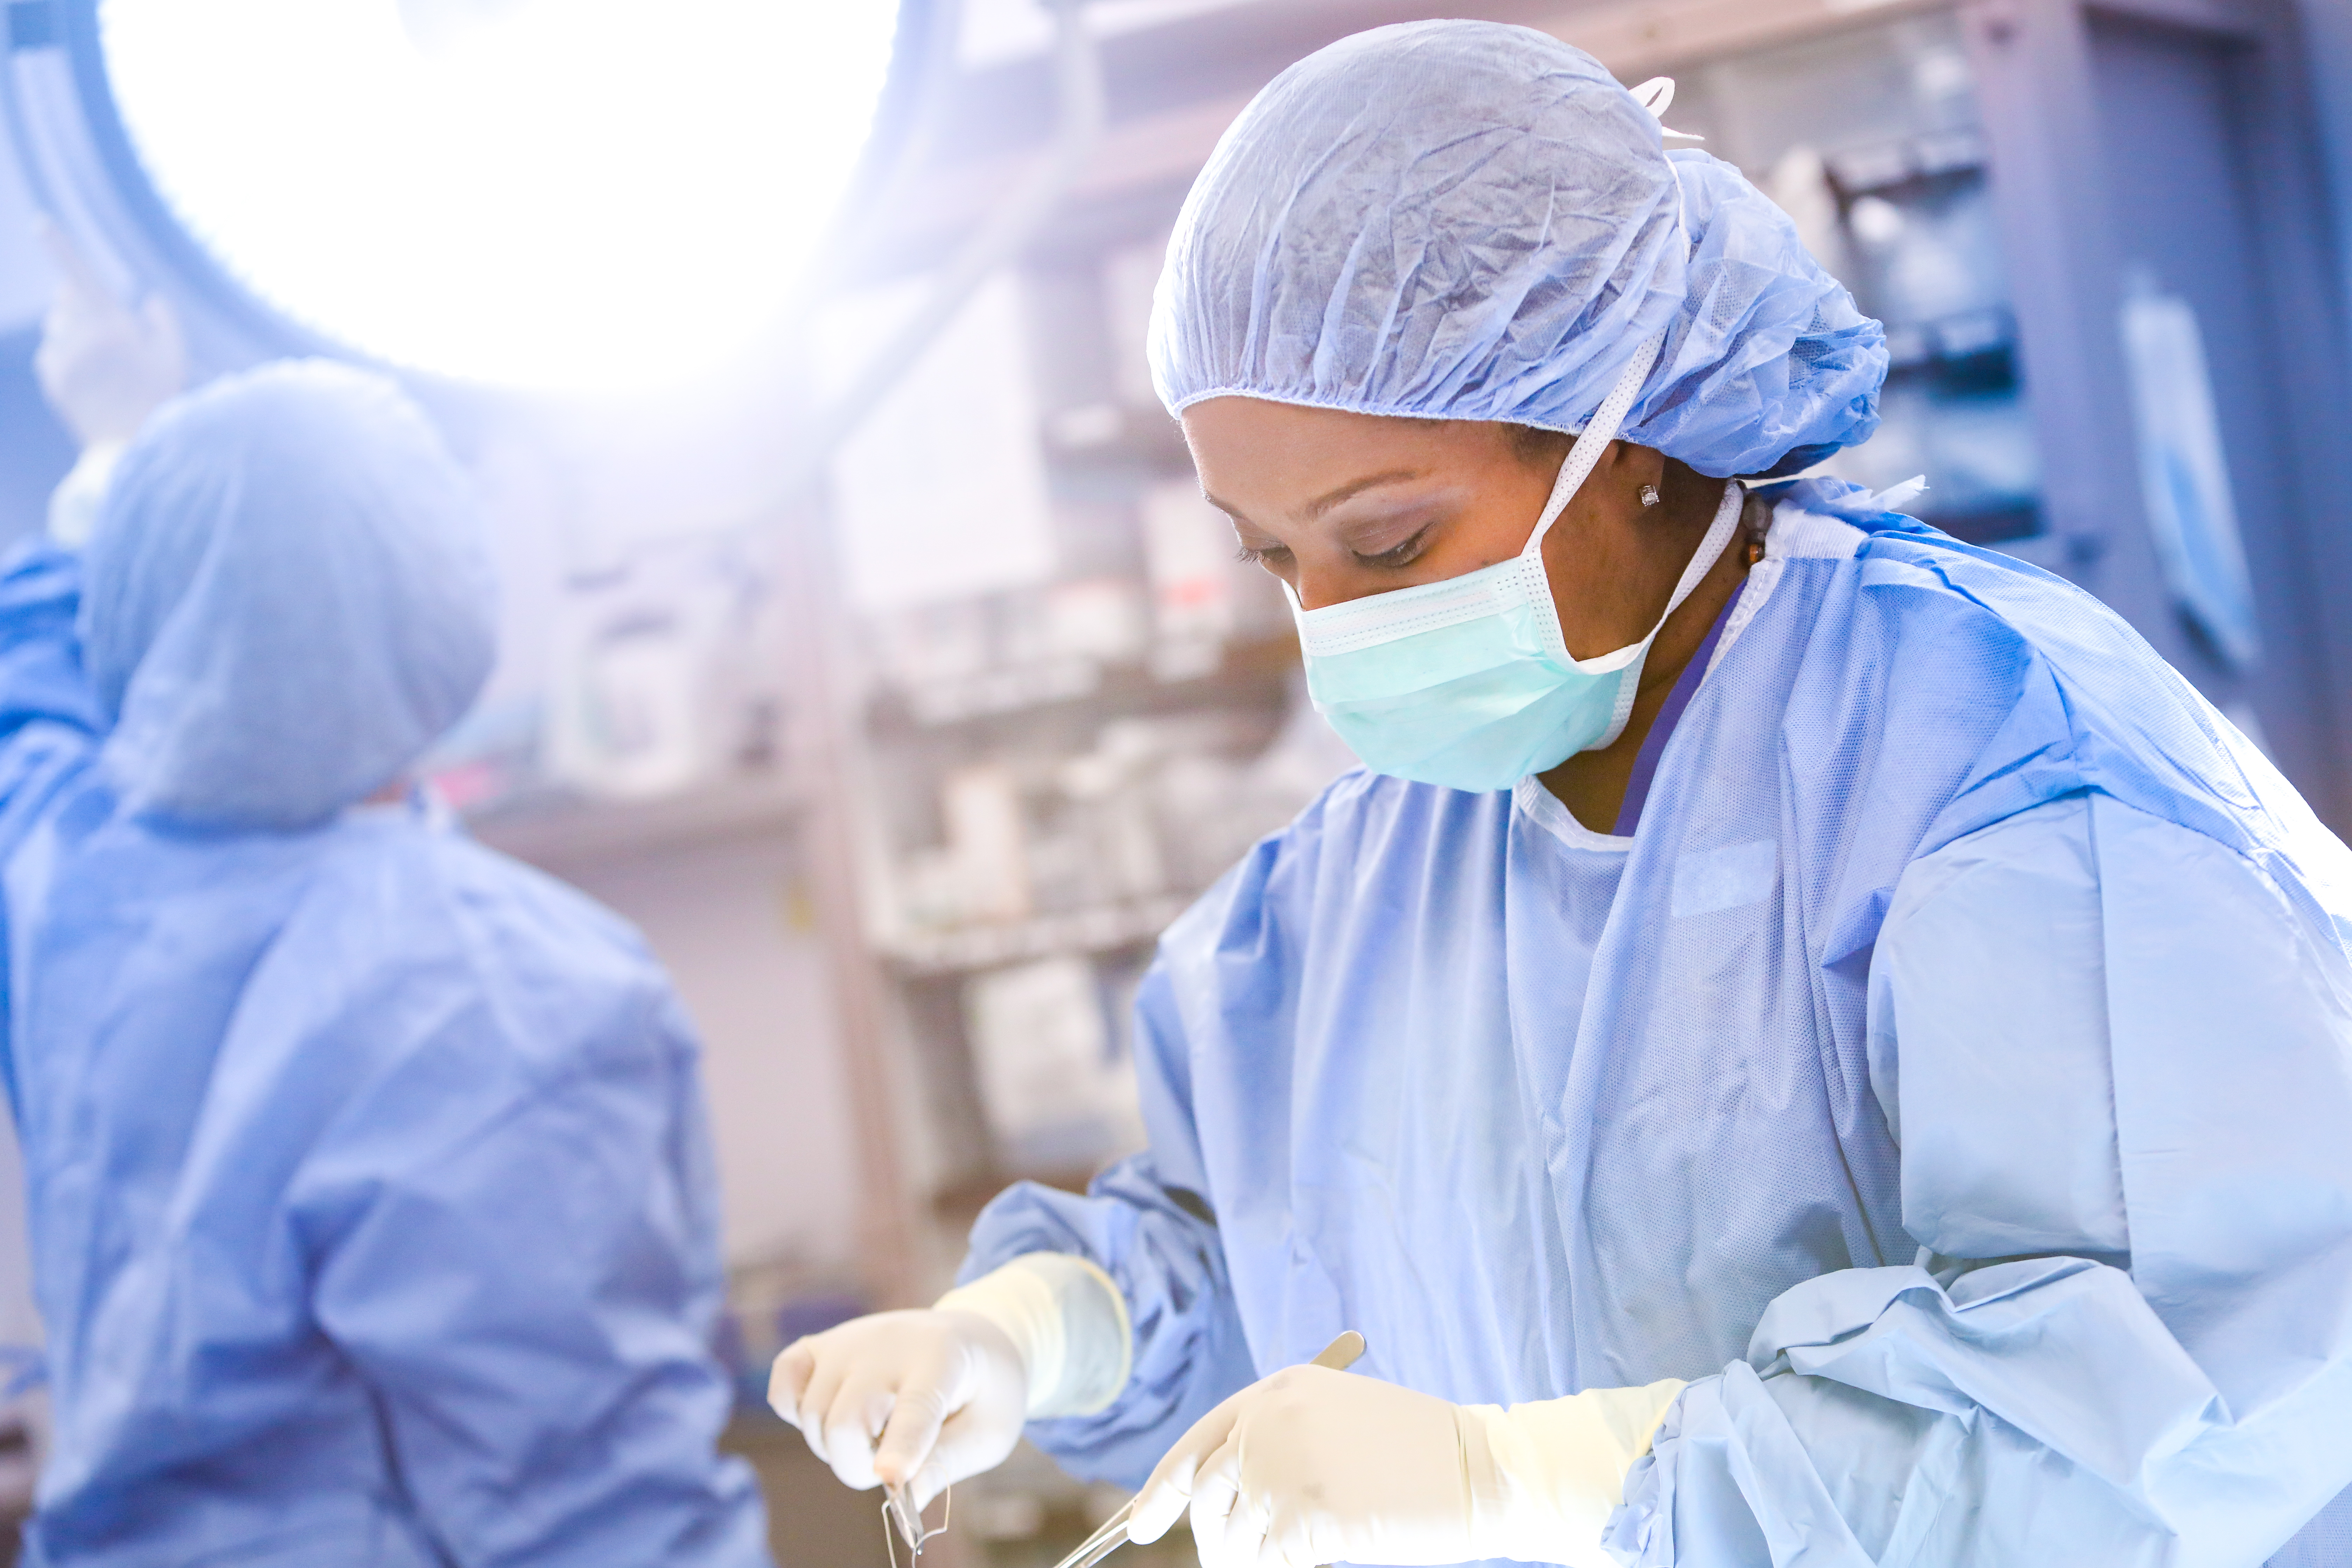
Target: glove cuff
80,496
1543,1478
1069,1321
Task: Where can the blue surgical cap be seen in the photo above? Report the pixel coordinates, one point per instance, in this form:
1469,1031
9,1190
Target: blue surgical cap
1466,220
286,597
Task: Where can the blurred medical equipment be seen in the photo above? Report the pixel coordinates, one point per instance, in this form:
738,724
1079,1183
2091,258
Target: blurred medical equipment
669,674
1053,872
1054,1079
2184,472
1871,142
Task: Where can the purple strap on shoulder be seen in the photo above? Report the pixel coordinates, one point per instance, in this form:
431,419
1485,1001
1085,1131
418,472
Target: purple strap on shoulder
1653,744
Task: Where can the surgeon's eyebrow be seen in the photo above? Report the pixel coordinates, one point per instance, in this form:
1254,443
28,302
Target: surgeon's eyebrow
1323,503
1354,488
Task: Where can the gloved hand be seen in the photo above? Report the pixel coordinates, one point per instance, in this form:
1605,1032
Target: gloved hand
928,1396
102,365
931,1397
1311,1465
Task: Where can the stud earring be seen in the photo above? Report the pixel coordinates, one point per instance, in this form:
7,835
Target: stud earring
1650,495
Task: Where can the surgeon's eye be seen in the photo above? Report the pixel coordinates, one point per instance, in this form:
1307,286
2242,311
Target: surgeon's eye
1268,556
1396,555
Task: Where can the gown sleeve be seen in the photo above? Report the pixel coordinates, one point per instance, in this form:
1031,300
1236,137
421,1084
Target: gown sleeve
2117,1058
526,1277
48,722
45,708
1148,1224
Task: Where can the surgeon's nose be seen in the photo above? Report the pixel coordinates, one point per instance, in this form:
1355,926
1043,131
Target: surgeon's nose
1316,588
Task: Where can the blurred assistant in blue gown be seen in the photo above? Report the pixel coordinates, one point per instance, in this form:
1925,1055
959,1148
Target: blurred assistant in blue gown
373,1213
1919,1132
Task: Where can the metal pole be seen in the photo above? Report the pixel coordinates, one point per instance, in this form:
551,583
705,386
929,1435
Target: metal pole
892,1228
889,1226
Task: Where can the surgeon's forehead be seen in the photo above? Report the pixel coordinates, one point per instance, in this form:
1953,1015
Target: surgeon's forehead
1237,428
1250,442
1276,469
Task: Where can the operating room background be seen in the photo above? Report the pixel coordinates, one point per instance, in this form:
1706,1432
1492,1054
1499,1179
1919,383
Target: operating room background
901,781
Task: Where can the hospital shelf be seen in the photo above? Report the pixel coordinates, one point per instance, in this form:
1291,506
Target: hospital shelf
994,691
1104,928
1112,433
1171,670
1884,165
1962,336
956,1207
557,829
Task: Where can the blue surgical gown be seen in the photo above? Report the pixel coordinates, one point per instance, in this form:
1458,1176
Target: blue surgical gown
373,1213
1951,1078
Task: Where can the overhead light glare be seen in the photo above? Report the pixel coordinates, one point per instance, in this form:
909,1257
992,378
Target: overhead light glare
573,194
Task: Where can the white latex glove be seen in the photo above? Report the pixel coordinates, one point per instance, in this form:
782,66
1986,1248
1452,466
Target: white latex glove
931,1397
80,496
102,365
1311,1465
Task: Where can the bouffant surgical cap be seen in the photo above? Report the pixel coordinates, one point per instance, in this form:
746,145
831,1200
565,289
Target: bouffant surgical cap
1466,220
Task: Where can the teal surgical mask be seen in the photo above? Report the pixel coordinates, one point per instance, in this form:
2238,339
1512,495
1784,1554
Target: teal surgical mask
1466,682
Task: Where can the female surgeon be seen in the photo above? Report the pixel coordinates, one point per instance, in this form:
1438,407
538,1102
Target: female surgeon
1805,1042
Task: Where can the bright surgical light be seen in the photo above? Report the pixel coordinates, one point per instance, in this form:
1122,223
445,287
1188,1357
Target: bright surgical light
599,195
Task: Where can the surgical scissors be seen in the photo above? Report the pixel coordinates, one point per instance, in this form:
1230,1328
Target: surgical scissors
902,1519
1339,1356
